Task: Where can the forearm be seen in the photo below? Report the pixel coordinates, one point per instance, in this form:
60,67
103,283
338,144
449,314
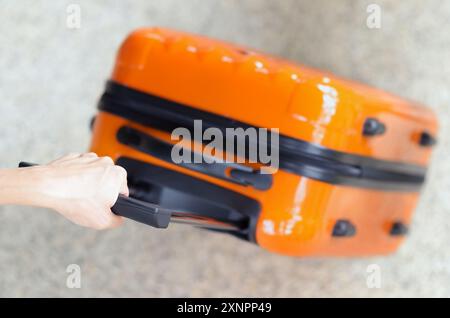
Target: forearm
22,186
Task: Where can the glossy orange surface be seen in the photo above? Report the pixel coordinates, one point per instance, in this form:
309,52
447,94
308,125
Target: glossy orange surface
297,213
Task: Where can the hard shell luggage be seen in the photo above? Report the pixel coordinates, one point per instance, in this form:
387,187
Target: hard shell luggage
350,160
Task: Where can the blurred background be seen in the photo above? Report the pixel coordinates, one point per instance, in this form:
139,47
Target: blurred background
51,77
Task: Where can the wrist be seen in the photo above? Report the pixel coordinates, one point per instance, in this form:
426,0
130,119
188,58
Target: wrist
25,186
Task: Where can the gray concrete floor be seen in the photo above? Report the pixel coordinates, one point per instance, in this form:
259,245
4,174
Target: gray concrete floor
51,77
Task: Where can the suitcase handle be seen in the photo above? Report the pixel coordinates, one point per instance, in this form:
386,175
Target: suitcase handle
143,212
137,210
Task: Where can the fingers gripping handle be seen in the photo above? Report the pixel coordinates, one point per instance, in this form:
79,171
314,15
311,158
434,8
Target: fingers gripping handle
137,210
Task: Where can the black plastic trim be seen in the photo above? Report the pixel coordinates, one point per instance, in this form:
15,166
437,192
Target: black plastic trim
296,156
238,173
177,191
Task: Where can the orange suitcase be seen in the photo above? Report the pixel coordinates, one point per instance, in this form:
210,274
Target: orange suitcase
350,160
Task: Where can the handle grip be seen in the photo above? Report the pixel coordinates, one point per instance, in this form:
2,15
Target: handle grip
143,212
137,210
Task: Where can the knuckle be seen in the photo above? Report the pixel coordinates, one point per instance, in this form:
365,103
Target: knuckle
106,160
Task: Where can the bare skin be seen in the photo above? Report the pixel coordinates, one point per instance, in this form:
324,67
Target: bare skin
81,187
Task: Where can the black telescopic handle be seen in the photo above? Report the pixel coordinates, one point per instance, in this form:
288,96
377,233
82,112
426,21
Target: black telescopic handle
137,210
143,212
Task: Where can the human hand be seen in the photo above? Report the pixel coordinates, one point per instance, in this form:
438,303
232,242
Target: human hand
83,188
